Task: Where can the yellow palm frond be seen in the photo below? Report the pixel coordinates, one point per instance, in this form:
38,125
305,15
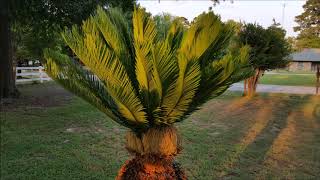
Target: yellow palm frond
101,60
175,34
144,33
164,67
84,84
202,33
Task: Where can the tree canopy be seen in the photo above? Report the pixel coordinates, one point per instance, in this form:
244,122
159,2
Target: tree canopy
36,24
163,22
309,25
269,48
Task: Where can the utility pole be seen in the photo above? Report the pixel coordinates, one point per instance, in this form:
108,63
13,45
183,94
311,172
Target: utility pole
283,13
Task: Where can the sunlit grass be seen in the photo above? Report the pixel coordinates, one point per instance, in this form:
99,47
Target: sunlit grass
290,80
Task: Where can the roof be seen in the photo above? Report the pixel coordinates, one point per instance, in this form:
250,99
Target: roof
307,55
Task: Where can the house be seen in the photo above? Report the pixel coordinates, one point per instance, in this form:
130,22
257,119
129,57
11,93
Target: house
305,60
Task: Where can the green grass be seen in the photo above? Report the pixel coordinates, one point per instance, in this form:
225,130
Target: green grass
289,79
269,137
292,72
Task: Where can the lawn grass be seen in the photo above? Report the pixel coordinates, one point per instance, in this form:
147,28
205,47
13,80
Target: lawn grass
269,137
291,72
289,79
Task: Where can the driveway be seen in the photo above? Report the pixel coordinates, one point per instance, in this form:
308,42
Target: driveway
277,89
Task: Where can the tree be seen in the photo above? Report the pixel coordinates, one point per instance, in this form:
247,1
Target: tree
7,86
293,43
309,25
163,22
269,50
234,42
42,20
148,84
34,24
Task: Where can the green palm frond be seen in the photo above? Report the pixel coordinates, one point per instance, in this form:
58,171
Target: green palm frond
117,34
181,94
141,81
220,75
203,31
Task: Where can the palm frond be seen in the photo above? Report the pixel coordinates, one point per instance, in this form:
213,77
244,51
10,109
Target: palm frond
86,85
175,35
165,65
144,32
221,74
117,34
195,41
103,62
180,95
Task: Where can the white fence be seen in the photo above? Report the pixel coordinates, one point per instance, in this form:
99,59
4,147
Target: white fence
31,74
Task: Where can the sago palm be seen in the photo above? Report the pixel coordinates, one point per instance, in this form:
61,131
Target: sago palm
147,83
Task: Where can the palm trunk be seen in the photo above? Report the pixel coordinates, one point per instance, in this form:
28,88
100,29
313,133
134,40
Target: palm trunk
154,153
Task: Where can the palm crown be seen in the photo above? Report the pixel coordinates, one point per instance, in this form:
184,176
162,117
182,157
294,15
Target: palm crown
140,80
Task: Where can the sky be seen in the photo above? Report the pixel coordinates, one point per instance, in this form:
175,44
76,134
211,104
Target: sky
250,11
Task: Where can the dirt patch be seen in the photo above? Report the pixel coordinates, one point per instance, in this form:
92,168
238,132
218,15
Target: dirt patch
37,96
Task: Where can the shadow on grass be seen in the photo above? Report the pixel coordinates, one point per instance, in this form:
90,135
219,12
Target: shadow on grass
271,120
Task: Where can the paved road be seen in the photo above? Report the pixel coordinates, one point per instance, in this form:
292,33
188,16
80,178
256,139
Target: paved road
288,74
277,89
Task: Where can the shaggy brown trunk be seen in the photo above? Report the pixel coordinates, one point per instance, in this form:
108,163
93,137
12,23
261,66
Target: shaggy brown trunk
154,153
250,84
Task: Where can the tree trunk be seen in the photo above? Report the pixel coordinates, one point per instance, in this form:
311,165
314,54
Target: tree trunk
245,87
259,72
318,79
250,85
154,153
7,80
